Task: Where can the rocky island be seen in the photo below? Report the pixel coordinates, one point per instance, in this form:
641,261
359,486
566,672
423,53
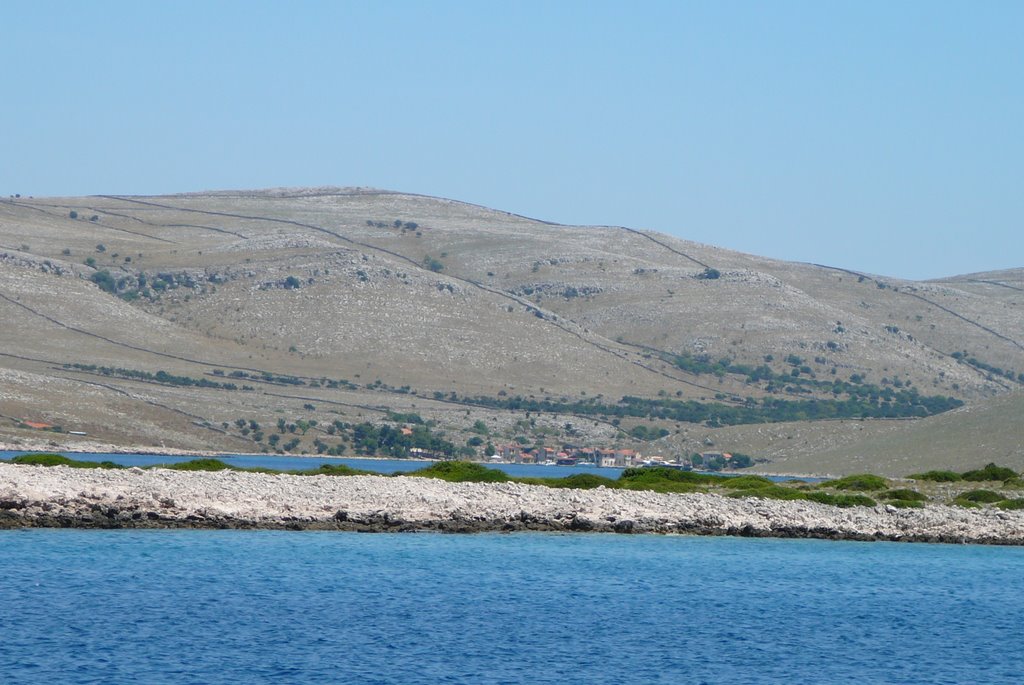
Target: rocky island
163,498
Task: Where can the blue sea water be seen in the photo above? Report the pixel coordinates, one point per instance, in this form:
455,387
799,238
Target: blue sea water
211,607
283,462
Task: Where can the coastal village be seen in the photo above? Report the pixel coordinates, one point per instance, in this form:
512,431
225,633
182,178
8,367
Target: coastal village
568,455
517,453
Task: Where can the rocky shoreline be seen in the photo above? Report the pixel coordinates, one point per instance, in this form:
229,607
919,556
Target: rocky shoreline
157,498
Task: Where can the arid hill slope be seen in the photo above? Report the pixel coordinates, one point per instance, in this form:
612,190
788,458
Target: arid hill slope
358,302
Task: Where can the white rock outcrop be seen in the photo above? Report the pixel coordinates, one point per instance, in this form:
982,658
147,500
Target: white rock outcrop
67,497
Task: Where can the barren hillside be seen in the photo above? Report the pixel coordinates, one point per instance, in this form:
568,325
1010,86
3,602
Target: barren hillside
199,321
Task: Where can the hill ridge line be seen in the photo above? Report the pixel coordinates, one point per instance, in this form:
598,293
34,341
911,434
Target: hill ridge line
495,291
925,299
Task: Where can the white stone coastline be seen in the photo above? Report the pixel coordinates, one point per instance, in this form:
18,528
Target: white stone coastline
33,496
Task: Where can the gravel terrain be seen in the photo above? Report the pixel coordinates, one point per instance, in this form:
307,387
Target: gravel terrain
135,498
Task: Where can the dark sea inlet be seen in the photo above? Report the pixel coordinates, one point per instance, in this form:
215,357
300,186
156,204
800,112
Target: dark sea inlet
162,606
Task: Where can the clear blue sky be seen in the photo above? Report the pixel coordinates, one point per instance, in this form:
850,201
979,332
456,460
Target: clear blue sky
880,136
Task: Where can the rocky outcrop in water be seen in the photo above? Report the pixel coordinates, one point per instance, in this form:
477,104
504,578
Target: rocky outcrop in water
135,498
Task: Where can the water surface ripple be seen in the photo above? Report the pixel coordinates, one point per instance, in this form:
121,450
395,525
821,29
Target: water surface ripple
210,607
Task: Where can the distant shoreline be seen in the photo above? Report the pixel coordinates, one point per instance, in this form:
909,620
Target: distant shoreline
99,448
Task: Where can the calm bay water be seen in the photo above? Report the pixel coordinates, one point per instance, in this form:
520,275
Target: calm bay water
289,607
285,462
282,462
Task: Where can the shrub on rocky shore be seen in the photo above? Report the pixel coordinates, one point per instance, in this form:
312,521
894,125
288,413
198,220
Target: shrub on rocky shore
840,500
841,492
461,472
904,495
982,496
61,460
990,472
864,482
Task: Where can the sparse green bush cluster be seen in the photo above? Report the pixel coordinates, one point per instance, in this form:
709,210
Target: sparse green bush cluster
991,369
776,491
61,460
840,500
646,433
864,482
461,472
396,223
657,479
581,481
338,470
131,286
937,476
199,465
662,474
990,472
850,399
371,439
906,504
883,404
982,496
904,495
158,377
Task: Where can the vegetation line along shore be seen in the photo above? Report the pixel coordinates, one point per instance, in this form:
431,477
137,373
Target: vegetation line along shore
941,487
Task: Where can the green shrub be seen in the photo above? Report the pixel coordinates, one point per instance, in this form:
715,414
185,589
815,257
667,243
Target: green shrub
983,496
904,495
197,465
42,460
865,482
966,503
660,474
990,472
906,504
1011,504
61,460
105,281
581,481
661,479
841,500
461,472
937,476
335,470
